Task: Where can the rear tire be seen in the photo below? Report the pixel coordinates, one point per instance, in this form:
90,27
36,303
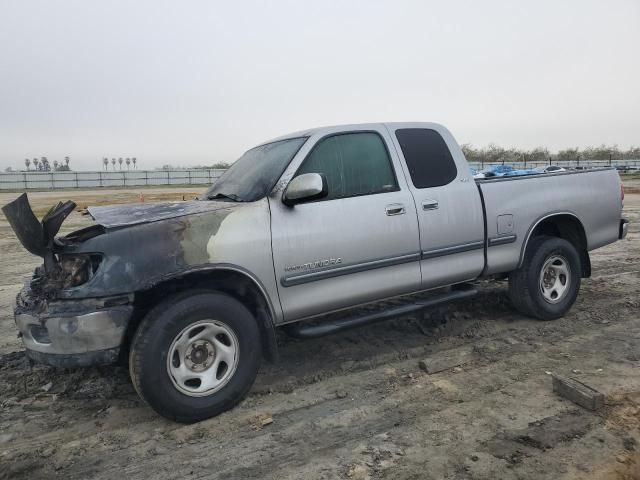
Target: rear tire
547,284
195,355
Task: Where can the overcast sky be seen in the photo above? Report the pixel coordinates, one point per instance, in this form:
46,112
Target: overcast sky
196,82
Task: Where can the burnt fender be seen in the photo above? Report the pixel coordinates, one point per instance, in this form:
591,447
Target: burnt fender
25,225
37,237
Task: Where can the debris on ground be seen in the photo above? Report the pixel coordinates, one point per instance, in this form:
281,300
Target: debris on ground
446,360
578,392
358,472
261,421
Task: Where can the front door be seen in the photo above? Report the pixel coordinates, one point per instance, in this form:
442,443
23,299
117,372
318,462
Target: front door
358,244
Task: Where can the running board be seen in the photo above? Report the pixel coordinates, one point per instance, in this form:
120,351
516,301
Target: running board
302,330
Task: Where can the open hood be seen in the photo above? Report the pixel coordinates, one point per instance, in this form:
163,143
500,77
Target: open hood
36,236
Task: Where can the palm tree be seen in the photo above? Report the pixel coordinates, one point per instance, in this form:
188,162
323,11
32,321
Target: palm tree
55,165
128,162
105,161
36,164
120,162
113,162
66,161
45,164
134,162
27,162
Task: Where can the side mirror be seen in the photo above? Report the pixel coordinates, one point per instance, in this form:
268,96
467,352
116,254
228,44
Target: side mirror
304,188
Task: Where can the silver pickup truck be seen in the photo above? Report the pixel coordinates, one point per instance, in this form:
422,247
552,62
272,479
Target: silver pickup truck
299,234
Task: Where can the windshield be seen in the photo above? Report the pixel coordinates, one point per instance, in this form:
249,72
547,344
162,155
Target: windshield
255,173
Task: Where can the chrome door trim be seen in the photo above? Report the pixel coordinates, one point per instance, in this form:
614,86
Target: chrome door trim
430,204
464,247
395,209
299,279
502,240
291,280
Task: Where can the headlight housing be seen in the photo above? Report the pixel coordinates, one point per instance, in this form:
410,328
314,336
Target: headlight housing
76,270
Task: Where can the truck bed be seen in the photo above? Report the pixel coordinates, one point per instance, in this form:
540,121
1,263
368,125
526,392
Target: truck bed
514,205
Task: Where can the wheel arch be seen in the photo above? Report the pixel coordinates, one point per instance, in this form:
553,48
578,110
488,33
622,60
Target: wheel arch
226,278
565,225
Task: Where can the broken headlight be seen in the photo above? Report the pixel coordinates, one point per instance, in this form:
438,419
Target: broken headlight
76,270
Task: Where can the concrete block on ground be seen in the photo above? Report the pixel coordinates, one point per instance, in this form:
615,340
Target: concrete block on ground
578,392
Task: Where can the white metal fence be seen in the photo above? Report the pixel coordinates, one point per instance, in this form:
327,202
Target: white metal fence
620,164
52,180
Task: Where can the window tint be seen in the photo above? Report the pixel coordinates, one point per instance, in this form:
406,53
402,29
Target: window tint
427,156
353,163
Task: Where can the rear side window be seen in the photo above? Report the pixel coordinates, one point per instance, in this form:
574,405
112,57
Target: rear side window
353,164
427,156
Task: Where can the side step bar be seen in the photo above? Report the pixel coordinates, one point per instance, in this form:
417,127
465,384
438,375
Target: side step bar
301,330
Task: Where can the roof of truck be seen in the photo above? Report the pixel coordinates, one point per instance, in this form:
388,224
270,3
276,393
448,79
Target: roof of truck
359,126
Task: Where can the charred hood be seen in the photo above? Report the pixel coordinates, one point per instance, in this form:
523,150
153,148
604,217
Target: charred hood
114,216
38,236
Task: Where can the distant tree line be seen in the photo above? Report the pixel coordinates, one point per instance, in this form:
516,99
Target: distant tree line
495,153
127,161
43,164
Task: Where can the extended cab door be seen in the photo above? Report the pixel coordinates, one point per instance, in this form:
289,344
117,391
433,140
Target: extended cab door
358,244
449,207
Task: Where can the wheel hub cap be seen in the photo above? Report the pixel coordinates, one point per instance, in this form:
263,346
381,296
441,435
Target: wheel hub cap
555,278
203,357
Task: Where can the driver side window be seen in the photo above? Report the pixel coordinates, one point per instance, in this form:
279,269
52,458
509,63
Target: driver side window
354,164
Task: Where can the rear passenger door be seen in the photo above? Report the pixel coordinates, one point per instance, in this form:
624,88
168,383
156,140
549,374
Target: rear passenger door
448,204
358,244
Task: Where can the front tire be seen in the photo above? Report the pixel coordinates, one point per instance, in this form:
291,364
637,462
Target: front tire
195,355
547,284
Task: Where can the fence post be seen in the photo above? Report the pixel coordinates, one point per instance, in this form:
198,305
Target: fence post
189,172
168,180
53,183
124,179
77,184
25,180
146,177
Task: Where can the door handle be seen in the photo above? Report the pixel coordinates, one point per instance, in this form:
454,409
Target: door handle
430,204
395,209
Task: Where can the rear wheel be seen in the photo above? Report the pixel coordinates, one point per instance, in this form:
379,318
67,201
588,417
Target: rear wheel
547,284
195,355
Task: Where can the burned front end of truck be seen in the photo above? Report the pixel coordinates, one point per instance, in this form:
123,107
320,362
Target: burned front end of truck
56,326
77,308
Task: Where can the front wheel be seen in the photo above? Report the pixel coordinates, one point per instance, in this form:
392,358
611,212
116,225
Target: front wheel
547,284
195,355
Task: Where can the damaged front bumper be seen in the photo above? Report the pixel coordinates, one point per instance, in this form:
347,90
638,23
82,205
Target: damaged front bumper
72,333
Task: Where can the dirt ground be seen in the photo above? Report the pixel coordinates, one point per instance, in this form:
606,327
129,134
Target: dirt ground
354,405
